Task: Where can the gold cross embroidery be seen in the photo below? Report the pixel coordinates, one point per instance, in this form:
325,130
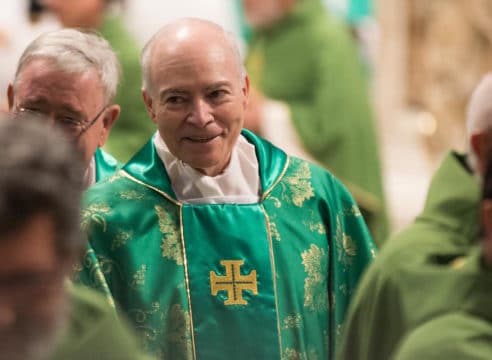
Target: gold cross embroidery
233,282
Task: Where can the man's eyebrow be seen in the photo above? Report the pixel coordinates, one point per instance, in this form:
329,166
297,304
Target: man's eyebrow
71,110
33,101
41,101
218,84
173,91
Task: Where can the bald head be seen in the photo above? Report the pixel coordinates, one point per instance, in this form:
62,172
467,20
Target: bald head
187,37
479,116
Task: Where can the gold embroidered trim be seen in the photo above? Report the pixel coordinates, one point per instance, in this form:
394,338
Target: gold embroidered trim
282,174
187,280
128,176
274,274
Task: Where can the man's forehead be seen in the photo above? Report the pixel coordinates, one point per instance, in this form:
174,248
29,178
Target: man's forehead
47,71
48,85
189,59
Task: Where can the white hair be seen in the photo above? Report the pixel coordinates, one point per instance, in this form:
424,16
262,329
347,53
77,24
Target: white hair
75,51
479,113
148,49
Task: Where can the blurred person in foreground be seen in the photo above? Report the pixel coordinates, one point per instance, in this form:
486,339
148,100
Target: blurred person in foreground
215,243
433,270
71,77
42,315
312,97
133,127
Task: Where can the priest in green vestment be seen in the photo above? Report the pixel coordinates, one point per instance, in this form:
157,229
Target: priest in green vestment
70,77
306,62
214,242
430,271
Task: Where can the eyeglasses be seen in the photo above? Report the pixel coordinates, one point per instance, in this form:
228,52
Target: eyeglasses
72,125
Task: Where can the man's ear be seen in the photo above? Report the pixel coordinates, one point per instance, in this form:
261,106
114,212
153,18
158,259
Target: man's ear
245,88
480,145
148,104
10,96
110,116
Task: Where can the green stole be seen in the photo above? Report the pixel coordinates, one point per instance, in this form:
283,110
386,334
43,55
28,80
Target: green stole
243,312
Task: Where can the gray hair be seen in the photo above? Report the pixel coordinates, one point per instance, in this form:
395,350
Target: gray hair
41,172
479,113
148,49
75,51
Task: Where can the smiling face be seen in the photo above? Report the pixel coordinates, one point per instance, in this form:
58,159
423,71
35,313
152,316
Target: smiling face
197,98
72,101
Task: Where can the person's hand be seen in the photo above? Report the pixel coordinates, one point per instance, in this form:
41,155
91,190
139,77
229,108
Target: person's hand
486,213
254,110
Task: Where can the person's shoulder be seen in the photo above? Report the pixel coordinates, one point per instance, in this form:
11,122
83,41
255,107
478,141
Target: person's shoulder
417,246
455,335
109,189
88,305
94,329
321,178
317,174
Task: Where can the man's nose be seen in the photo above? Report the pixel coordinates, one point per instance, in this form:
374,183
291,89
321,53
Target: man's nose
201,113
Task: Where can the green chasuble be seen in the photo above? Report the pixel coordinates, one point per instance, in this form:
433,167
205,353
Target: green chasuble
93,331
268,280
462,332
414,278
309,61
106,165
133,127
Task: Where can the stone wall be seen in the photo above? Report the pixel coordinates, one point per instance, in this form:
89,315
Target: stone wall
449,49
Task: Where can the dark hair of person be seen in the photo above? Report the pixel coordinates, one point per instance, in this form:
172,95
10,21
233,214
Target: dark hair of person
40,173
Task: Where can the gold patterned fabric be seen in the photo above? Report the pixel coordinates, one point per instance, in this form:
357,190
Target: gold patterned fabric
269,280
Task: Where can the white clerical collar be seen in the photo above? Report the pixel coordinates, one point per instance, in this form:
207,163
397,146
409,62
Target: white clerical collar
90,174
239,183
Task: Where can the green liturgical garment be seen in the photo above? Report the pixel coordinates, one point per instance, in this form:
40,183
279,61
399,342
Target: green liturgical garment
106,165
417,278
93,331
268,280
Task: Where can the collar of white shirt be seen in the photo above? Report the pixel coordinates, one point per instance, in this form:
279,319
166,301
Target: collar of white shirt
239,183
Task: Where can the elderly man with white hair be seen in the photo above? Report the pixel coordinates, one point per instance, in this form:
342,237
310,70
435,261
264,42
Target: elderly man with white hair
215,243
427,295
71,77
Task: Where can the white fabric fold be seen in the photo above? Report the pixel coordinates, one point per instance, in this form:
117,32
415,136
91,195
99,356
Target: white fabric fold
239,183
